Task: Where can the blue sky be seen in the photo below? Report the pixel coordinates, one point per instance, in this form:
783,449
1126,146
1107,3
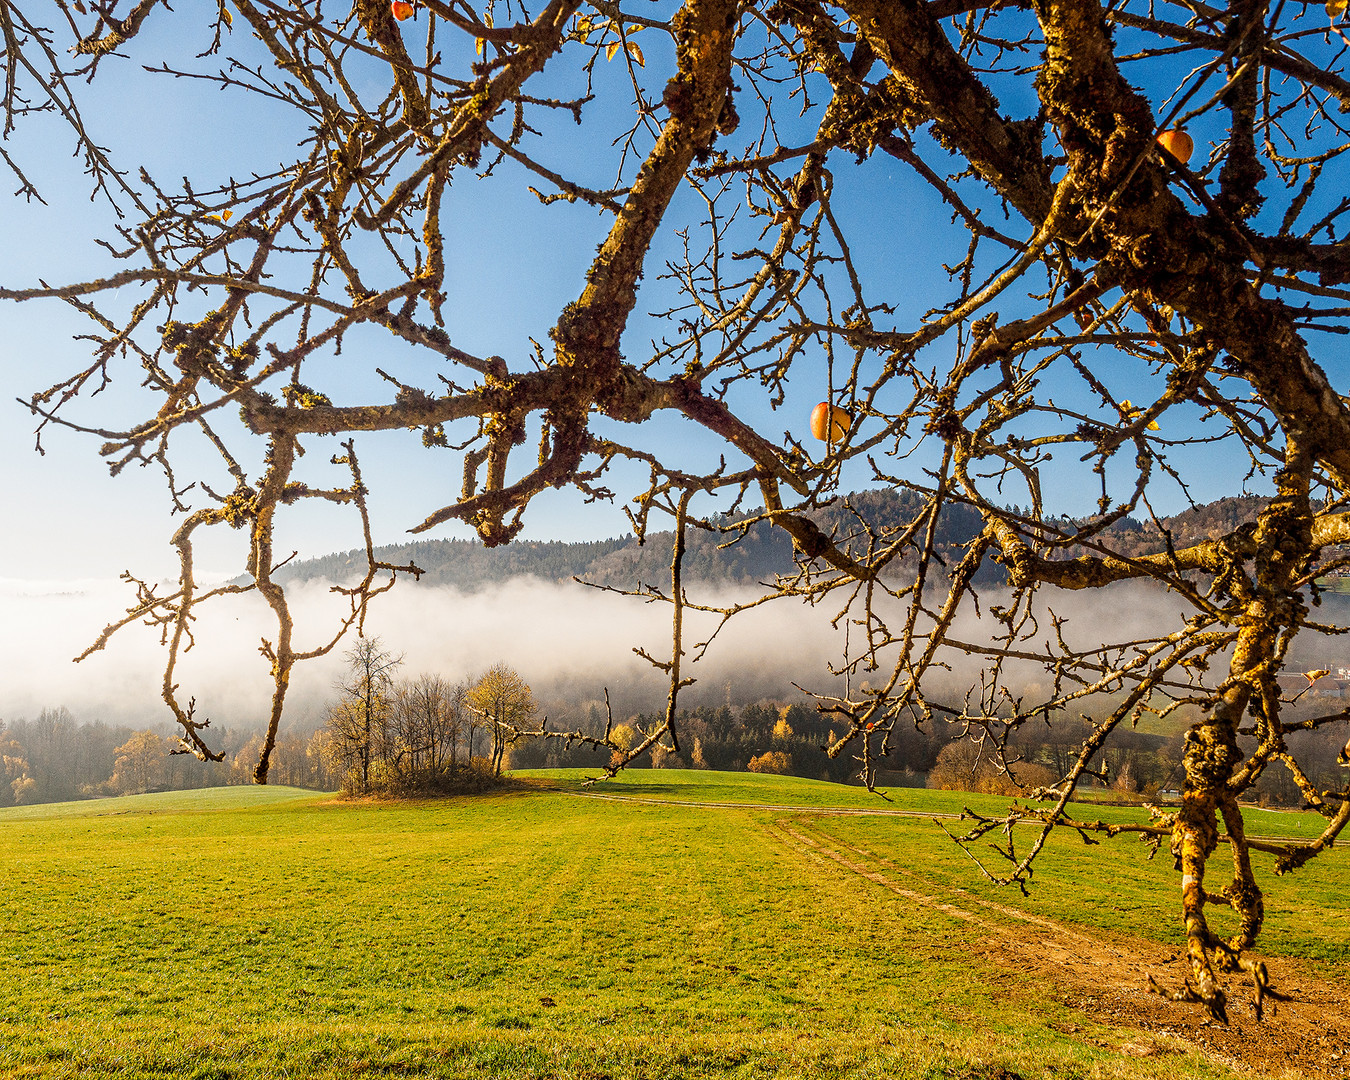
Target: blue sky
527,262
513,265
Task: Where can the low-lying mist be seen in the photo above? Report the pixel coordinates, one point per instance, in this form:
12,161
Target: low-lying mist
568,641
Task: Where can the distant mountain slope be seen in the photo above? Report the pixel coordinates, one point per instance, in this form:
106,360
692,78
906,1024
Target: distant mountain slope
1205,522
758,555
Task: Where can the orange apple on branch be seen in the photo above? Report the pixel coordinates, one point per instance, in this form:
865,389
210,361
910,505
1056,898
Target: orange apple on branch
1177,143
829,423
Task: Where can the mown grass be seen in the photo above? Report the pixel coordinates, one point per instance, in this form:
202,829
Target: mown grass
251,933
1113,885
687,785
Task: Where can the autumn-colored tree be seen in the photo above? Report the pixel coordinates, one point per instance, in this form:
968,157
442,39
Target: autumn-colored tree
505,702
140,764
623,736
971,765
16,784
771,761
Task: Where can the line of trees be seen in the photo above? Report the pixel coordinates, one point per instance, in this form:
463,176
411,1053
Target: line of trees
385,735
776,737
763,736
56,758
1132,763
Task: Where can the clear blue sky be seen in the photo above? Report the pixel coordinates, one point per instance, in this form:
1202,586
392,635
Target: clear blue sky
526,261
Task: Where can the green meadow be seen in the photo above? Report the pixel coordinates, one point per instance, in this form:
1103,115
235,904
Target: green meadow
536,932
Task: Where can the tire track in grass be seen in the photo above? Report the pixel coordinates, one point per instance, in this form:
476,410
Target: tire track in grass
965,894
817,852
1105,979
1308,1036
1127,967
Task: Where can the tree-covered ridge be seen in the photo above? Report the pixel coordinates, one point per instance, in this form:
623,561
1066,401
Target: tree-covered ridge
735,557
1207,521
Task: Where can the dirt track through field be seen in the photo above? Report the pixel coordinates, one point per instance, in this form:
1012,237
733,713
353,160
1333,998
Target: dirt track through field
1104,976
842,811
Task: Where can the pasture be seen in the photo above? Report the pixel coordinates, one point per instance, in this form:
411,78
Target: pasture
539,932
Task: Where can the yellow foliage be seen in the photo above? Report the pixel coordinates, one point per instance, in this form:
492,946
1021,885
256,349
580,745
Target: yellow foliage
966,765
772,761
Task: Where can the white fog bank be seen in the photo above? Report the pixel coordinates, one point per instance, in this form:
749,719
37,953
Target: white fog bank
568,641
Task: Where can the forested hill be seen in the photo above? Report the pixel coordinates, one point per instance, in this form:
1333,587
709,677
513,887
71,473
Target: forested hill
762,552
618,562
1206,522
736,558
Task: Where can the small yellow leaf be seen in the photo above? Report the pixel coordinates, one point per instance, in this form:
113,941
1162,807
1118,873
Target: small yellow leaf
1153,426
226,215
479,43
636,53
1313,676
611,49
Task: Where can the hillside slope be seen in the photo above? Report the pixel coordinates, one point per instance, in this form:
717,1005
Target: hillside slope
732,556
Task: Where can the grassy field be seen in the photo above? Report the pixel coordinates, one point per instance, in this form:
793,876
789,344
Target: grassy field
680,785
247,932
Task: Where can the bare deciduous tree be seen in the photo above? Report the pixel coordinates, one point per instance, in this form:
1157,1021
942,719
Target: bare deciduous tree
1101,312
426,725
357,725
